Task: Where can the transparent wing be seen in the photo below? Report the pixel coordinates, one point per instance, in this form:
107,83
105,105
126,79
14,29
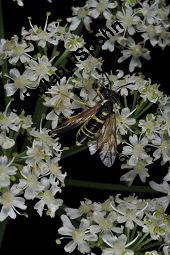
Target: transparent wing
76,120
106,142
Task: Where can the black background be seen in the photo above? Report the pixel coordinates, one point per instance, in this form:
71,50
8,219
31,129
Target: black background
37,234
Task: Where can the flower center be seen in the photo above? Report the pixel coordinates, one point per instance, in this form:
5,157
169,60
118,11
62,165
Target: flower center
7,198
20,82
78,236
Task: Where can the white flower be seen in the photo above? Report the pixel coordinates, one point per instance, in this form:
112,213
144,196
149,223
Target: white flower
6,170
47,141
9,201
41,69
135,149
43,36
80,14
165,117
5,141
54,170
47,199
79,235
163,37
118,245
30,182
128,19
149,126
135,51
149,32
123,121
37,153
25,121
60,101
89,65
151,92
163,188
9,120
140,169
20,82
73,42
101,7
19,51
84,209
105,224
156,224
163,147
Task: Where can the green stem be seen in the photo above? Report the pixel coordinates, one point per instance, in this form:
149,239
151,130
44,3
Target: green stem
134,100
144,243
144,110
2,231
73,150
59,61
147,247
108,186
127,233
39,111
135,247
133,232
140,107
125,101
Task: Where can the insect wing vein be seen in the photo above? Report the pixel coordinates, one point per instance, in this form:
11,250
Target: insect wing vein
107,142
76,120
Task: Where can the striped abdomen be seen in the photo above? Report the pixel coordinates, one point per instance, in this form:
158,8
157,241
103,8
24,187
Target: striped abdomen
91,127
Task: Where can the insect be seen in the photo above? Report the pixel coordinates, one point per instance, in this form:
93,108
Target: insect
98,127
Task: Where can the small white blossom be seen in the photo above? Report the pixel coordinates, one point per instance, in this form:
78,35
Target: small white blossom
47,198
60,101
85,208
163,147
101,7
10,201
123,121
29,182
9,120
135,149
163,188
5,141
81,236
73,42
128,19
80,14
43,36
19,51
6,170
135,51
40,69
20,82
118,245
149,126
140,169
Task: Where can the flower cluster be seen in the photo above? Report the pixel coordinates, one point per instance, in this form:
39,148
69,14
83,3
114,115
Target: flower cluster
30,153
118,226
32,174
147,21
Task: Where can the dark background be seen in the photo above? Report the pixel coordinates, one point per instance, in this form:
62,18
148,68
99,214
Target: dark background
35,234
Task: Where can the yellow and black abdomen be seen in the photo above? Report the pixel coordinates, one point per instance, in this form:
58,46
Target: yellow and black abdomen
90,128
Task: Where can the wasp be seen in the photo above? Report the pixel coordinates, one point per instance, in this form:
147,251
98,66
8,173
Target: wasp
97,127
